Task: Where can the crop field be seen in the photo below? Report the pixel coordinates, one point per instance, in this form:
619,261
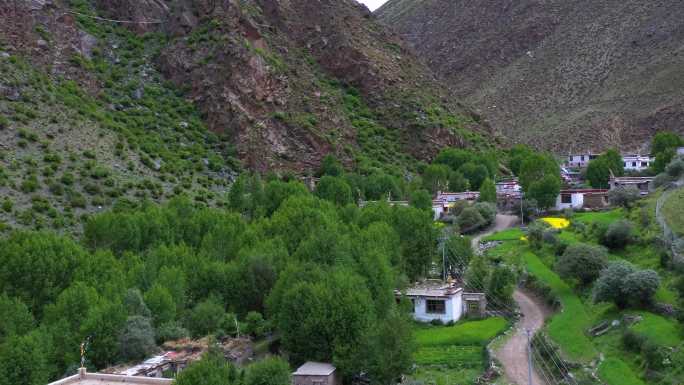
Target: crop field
477,333
454,354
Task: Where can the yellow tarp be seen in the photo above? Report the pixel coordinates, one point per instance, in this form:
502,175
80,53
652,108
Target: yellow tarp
557,223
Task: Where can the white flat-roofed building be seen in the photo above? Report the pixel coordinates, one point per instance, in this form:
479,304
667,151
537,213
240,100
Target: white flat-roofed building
437,300
637,162
580,160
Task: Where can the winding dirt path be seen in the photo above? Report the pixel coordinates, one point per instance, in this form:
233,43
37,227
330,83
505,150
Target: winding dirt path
513,355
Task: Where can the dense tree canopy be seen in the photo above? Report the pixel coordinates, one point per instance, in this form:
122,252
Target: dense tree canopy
145,272
540,179
601,168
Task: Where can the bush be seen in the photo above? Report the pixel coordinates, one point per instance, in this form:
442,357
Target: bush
458,208
618,235
608,287
632,341
171,331
487,210
437,322
641,286
661,180
582,262
206,318
256,325
624,196
675,169
136,341
470,220
550,237
622,284
271,371
535,233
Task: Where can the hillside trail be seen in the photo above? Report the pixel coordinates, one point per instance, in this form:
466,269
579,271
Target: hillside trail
513,355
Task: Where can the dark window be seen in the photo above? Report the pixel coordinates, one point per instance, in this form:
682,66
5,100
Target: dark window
413,305
566,198
435,306
582,158
633,164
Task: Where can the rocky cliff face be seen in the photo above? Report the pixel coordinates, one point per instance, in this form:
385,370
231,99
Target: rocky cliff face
562,75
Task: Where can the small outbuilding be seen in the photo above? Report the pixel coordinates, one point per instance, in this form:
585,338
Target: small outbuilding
642,183
316,373
582,198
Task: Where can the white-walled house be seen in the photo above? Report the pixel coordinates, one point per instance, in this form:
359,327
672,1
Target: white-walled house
637,162
580,160
436,300
581,198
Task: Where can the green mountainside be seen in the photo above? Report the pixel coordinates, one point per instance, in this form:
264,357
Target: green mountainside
189,93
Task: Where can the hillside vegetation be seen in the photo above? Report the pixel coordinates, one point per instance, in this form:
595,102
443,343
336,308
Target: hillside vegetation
93,112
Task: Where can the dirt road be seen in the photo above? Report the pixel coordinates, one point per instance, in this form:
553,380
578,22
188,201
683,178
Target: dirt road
513,355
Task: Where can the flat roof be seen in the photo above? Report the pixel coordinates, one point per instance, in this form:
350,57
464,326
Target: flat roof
314,369
583,191
84,378
433,288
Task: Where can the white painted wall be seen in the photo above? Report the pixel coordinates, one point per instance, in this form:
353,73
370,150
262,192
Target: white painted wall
453,307
577,201
437,211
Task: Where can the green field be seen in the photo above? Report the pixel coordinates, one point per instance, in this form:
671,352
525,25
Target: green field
602,217
477,333
616,371
454,354
662,331
566,328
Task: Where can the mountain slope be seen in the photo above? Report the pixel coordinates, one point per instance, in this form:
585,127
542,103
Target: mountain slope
291,81
562,75
176,96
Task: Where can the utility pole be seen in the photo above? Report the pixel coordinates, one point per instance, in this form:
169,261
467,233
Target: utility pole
529,357
522,214
444,258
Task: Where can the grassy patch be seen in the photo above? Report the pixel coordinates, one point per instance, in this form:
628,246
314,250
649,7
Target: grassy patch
615,371
602,217
660,330
466,333
673,210
566,328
